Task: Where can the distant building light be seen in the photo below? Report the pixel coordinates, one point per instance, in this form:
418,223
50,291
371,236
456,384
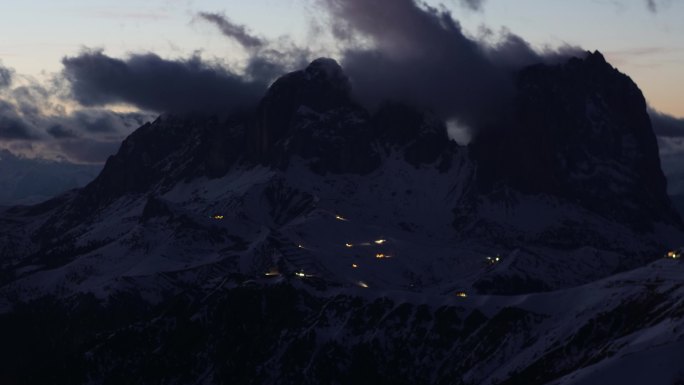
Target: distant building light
362,284
340,218
355,265
216,216
673,254
461,294
493,260
380,241
348,245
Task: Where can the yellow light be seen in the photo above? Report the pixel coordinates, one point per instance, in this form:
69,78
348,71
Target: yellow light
461,294
355,265
380,241
362,284
217,216
349,245
379,255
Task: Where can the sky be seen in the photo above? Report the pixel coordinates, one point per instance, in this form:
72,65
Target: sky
62,103
645,44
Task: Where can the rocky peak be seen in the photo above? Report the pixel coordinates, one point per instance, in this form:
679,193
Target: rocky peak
321,87
169,150
310,113
580,130
328,72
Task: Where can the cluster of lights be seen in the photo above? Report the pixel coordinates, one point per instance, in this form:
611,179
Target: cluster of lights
673,254
462,294
218,217
493,260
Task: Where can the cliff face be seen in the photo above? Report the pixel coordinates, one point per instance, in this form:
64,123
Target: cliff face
580,131
310,114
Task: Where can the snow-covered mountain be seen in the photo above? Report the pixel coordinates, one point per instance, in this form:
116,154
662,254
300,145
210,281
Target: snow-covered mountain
314,241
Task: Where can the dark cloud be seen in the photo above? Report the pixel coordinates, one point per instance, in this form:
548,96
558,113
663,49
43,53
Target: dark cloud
34,124
391,49
5,77
657,5
31,100
152,83
12,126
407,50
28,113
665,125
58,131
232,30
475,5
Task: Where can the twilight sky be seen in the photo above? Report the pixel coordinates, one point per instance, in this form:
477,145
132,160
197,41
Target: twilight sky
646,44
64,99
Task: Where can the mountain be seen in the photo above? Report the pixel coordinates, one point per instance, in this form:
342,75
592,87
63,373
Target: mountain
314,241
30,181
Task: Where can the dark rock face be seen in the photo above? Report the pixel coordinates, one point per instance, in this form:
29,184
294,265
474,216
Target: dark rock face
321,87
579,131
423,138
167,151
307,113
310,113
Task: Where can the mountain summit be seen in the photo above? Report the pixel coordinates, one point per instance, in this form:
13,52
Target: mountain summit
580,131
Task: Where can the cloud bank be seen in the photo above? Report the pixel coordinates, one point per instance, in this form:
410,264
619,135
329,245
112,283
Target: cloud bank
665,125
418,54
34,122
151,83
